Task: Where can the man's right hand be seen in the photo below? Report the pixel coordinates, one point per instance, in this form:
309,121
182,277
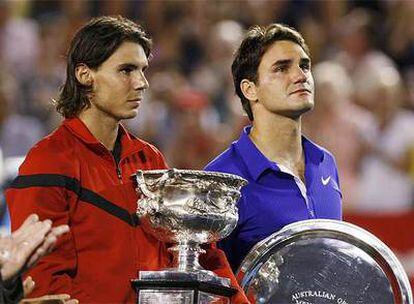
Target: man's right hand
24,247
51,299
28,286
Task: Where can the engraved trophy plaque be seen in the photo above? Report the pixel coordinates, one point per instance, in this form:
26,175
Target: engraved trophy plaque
323,262
186,208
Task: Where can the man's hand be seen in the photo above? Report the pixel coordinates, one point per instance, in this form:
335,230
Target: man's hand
51,299
28,286
27,245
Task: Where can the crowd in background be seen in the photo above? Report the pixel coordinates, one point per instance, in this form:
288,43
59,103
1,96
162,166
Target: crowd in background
363,64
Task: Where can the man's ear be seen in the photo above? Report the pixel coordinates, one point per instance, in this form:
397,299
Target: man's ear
84,74
248,89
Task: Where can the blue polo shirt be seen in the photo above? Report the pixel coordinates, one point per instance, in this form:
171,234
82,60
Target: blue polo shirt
275,197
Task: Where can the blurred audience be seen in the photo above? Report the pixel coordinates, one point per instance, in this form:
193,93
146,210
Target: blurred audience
385,184
364,106
18,132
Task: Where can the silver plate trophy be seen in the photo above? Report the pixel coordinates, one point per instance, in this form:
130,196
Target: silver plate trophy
186,208
321,262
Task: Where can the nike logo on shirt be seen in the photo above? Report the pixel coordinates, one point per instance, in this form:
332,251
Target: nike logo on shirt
325,181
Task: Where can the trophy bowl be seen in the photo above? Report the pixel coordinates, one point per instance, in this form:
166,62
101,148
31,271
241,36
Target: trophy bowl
188,208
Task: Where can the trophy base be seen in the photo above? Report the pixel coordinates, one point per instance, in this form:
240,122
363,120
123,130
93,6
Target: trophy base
177,275
175,287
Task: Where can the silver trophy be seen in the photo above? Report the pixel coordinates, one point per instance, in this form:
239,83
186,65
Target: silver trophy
324,262
186,208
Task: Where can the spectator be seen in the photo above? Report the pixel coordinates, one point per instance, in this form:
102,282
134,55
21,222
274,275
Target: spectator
385,184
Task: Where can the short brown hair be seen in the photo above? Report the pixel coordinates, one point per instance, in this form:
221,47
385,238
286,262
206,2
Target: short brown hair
248,56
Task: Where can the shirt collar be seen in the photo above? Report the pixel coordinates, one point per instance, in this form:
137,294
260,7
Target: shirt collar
80,130
313,152
257,163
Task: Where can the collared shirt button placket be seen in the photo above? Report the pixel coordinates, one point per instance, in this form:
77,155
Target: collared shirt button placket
302,189
303,192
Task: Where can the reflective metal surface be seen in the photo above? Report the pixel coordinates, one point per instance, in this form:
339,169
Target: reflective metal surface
324,261
188,208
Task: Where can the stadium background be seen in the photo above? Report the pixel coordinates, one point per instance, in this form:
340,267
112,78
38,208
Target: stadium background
363,63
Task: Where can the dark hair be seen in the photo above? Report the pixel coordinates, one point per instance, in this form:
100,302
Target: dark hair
248,56
93,44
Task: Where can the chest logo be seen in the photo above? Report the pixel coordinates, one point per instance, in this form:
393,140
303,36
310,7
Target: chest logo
325,181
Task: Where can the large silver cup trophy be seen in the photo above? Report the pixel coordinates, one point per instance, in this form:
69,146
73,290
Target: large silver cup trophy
186,208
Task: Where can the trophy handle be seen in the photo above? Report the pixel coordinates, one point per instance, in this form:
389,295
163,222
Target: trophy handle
231,198
171,173
143,186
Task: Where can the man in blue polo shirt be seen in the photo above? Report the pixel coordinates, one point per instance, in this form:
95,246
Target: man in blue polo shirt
290,177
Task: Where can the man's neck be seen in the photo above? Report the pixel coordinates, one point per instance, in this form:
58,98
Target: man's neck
104,128
279,139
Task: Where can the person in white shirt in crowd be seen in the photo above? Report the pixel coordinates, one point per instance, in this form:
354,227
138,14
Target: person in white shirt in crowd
385,184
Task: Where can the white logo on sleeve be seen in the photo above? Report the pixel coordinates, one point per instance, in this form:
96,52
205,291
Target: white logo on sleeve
325,181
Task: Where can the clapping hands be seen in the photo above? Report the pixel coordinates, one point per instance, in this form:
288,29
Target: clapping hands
24,247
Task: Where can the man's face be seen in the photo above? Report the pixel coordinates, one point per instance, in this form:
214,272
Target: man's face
119,83
285,84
